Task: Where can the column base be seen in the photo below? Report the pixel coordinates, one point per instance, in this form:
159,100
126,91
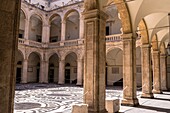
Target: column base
164,89
130,102
61,83
156,91
147,95
102,111
79,84
23,82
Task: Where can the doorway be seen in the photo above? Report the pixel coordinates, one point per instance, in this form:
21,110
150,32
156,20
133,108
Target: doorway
18,75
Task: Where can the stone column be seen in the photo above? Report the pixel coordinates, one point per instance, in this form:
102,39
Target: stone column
163,68
46,33
44,71
129,70
61,72
9,26
63,30
156,72
81,28
95,60
146,71
79,72
24,71
26,32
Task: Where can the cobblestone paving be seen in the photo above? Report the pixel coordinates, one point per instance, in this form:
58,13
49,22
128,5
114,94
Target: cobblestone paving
52,98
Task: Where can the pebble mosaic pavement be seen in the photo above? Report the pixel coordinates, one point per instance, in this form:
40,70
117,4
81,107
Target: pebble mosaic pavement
52,98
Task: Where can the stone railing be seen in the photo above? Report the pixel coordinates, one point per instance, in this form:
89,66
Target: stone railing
50,45
54,44
35,44
113,38
71,43
21,41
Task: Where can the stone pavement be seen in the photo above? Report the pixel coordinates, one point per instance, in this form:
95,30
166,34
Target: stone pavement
53,98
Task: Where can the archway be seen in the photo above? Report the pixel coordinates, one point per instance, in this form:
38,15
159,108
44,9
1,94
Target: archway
71,68
72,25
55,28
19,67
53,69
22,24
168,70
33,67
113,23
114,60
35,28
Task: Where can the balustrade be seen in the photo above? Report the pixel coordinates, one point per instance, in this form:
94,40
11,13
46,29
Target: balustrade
113,38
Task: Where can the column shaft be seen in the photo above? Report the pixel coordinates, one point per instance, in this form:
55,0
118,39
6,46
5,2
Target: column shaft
79,72
146,72
26,31
95,60
46,33
129,71
156,72
61,72
63,31
81,28
163,68
44,72
24,71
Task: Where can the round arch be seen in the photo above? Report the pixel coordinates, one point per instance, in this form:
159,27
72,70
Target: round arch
53,16
70,11
53,53
155,42
20,51
124,15
37,53
114,47
69,52
143,32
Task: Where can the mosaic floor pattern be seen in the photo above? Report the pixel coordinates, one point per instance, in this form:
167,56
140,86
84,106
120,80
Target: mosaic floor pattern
52,98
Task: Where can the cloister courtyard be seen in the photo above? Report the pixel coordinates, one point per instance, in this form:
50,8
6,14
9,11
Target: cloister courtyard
53,98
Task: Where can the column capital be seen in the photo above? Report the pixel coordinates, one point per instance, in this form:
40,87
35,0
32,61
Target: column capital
127,37
79,60
62,60
146,46
94,13
155,52
163,55
63,22
46,25
26,59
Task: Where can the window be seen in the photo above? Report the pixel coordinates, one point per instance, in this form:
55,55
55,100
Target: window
39,38
107,30
54,39
20,35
